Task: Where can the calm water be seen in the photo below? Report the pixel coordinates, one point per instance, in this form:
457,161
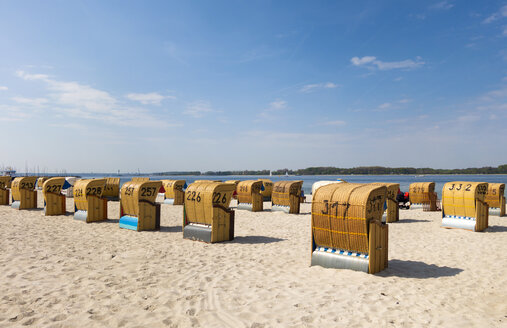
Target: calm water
308,180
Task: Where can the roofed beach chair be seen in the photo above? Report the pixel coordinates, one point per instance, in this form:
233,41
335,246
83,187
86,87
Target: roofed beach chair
89,205
423,195
268,189
496,199
347,232
138,209
4,189
112,189
286,196
464,205
54,201
249,195
206,213
174,191
23,194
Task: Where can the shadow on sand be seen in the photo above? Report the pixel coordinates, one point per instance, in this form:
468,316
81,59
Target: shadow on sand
416,269
411,221
496,229
171,229
255,240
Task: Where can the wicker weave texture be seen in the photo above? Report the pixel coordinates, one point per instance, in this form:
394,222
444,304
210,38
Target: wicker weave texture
200,197
287,193
393,212
341,215
495,195
466,199
88,197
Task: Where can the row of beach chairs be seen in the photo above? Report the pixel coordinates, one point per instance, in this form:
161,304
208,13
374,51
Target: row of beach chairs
349,221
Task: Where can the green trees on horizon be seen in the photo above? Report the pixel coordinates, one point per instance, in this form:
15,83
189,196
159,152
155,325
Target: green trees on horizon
362,170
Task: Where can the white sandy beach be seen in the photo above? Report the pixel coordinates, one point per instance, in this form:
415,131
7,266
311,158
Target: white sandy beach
59,272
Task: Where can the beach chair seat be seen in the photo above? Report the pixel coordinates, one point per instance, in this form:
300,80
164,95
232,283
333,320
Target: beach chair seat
138,209
24,195
347,232
89,205
206,213
464,206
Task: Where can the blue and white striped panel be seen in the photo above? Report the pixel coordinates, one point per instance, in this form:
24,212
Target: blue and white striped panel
459,217
341,252
416,206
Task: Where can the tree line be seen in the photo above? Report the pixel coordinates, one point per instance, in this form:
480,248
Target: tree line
361,170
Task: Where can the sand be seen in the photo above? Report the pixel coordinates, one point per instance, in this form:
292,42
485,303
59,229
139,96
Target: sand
59,272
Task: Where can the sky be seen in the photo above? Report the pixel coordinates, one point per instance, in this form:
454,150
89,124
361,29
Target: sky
101,86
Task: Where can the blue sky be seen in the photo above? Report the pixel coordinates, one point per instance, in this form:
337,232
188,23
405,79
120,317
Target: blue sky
220,85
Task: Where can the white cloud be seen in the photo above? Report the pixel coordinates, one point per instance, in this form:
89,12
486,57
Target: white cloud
311,87
152,98
31,77
3,88
496,16
361,61
373,62
393,105
13,113
82,101
277,105
198,109
443,5
36,102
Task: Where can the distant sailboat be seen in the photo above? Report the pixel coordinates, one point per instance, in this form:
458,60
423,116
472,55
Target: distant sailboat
270,173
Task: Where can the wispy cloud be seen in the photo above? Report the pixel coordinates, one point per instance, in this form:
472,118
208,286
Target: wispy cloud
332,123
198,109
277,105
312,87
372,62
3,88
273,107
496,16
152,98
442,5
393,105
83,101
36,102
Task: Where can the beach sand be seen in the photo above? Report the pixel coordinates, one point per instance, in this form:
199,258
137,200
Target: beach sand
59,272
